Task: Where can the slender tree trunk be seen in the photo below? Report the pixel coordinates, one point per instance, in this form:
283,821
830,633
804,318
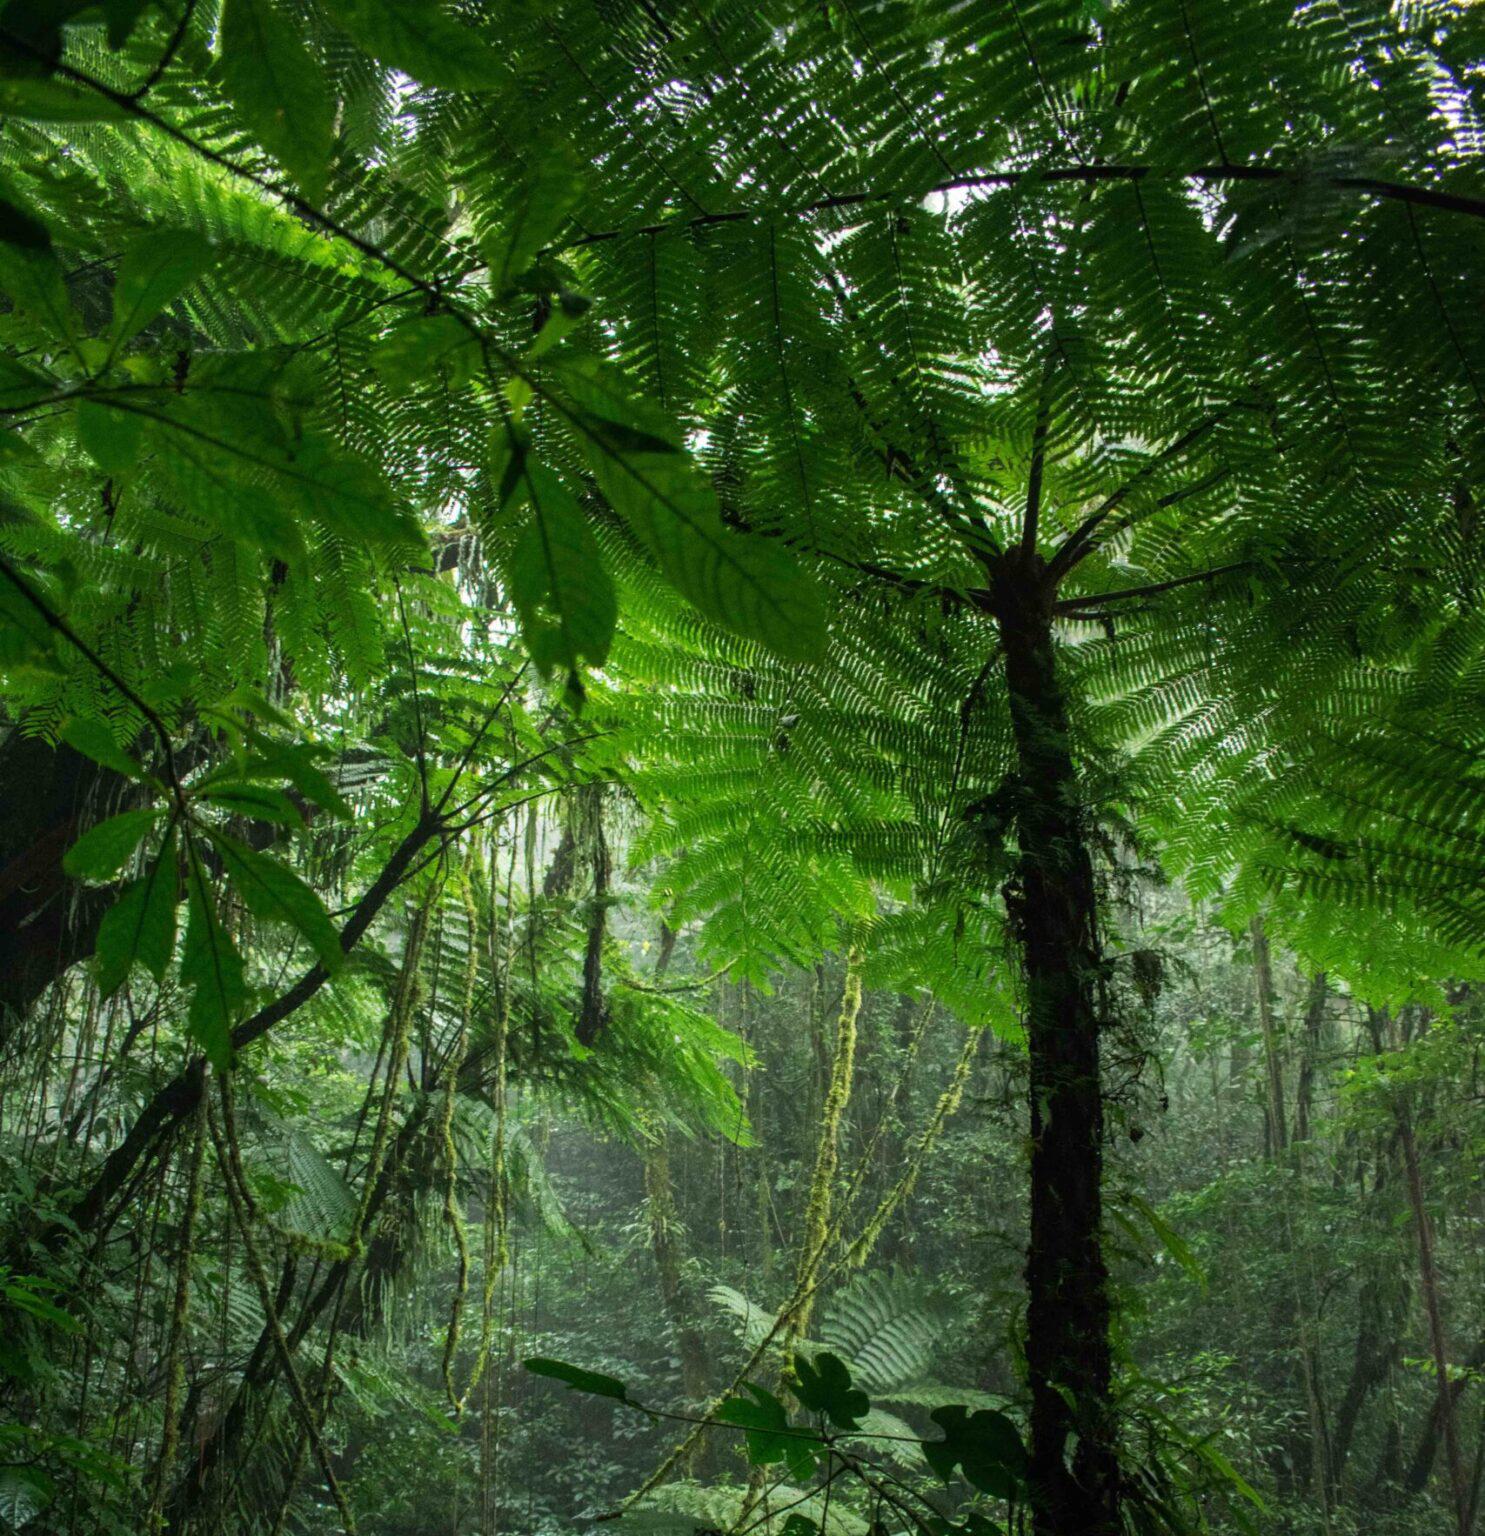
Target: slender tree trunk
665,1226
664,1230
1428,1278
1381,1308
1309,1448
1053,906
1274,1139
1304,1088
818,1209
50,796
1420,1465
174,1101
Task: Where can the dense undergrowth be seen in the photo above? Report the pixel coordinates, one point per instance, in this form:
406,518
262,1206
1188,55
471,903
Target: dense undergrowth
741,783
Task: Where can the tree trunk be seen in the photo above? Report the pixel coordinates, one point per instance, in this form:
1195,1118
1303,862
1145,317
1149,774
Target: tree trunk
1428,1278
1308,1448
1420,1465
665,1225
1304,1088
1381,1313
1274,1139
1053,908
816,1236
664,1230
50,795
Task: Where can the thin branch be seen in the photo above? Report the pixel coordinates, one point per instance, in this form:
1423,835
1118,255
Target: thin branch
512,364
679,986
973,597
1034,479
1072,607
1080,541
1207,175
489,720
178,1098
177,37
517,768
420,745
56,622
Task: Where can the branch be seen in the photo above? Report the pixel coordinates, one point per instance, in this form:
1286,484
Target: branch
1080,541
1072,607
56,622
678,986
177,37
178,1098
1034,479
1207,175
972,597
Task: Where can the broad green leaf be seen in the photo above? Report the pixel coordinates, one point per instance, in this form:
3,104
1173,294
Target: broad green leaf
102,851
21,386
16,448
606,409
985,1445
26,643
24,1493
426,347
276,84
234,465
258,802
422,40
296,764
246,701
212,968
53,101
750,584
272,891
22,229
39,23
31,35
579,1380
110,435
825,1387
537,214
155,269
139,929
93,739
566,315
121,16
562,592
770,1437
31,275
25,1299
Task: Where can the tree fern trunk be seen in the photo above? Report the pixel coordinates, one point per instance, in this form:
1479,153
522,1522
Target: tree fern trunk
1054,909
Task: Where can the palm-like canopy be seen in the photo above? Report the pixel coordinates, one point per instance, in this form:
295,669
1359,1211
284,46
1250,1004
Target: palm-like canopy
977,425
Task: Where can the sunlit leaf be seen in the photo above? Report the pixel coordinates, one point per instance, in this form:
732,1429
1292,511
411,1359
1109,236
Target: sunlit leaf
103,850
212,967
278,87
579,1380
139,929
422,39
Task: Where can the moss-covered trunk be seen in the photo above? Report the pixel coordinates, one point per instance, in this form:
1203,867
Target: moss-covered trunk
1053,906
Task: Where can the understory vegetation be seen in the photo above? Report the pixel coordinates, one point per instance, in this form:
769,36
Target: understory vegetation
741,778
